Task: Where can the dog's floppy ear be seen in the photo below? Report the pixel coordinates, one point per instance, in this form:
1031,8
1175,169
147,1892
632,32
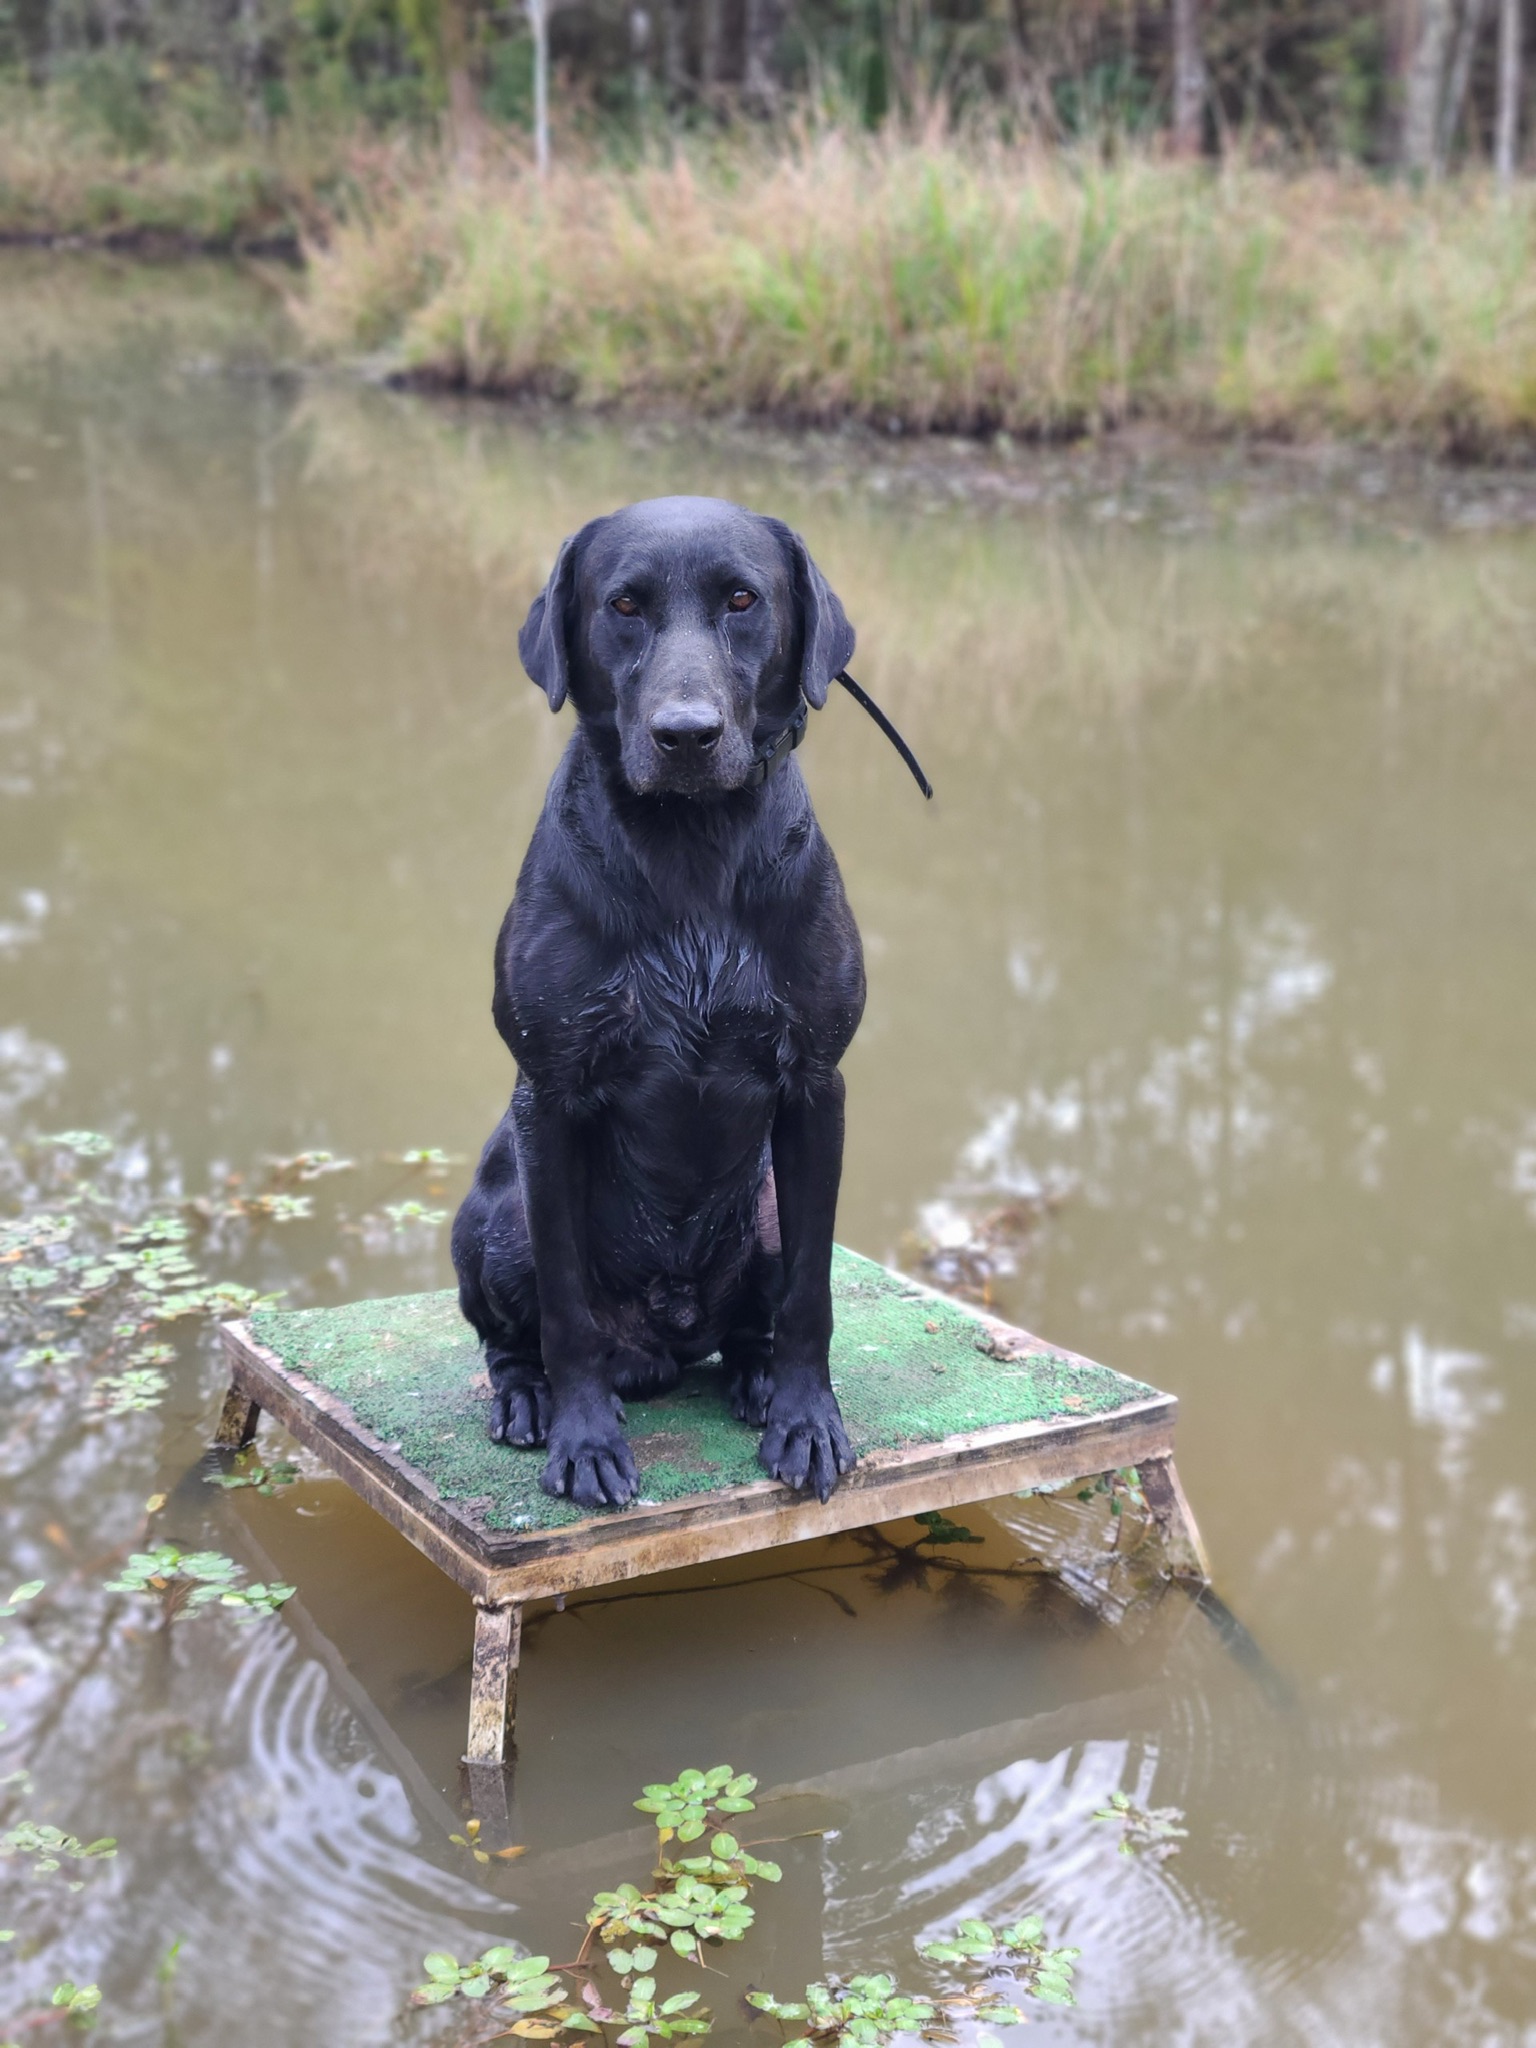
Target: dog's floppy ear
826,636
542,642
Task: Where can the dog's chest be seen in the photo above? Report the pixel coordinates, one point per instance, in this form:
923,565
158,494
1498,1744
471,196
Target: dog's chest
697,1002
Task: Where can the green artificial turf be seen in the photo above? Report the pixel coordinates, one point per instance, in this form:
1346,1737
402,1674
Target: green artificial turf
908,1369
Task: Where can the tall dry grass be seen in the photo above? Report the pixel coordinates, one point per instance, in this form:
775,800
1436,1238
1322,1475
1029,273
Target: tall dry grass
946,286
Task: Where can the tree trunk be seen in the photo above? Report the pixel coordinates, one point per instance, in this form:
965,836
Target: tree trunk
251,43
1424,92
463,106
640,55
1468,29
711,37
763,25
538,21
1188,78
1506,149
674,67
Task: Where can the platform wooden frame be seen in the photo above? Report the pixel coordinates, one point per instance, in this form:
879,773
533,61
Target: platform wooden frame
502,1570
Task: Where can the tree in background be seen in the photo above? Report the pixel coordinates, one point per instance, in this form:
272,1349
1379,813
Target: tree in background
1445,47
1189,79
1511,40
1454,109
1424,86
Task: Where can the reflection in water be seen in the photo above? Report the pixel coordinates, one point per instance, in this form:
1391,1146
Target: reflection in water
1214,953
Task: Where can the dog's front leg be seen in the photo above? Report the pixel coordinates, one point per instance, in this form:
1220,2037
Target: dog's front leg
589,1456
804,1442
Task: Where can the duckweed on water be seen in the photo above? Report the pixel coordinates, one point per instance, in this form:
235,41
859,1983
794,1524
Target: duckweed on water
186,1582
939,1529
701,1901
50,1847
264,1479
89,1285
1153,1831
76,1999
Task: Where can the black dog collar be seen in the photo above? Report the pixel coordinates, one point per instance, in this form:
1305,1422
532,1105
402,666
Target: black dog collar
784,742
771,752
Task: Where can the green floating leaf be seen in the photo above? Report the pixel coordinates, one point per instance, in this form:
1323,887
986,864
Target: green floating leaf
1024,1932
76,1998
87,1145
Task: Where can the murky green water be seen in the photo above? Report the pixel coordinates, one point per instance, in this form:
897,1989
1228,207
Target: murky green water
1222,933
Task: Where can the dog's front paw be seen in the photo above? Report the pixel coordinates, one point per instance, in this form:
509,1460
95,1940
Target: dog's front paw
805,1444
590,1461
520,1412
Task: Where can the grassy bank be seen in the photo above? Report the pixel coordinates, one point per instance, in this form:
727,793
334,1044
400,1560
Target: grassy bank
62,180
925,284
957,289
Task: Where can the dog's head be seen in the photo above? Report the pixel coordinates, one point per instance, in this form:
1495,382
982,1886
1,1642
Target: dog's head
689,629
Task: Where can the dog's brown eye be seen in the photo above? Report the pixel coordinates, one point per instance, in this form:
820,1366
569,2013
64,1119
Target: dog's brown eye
741,600
626,607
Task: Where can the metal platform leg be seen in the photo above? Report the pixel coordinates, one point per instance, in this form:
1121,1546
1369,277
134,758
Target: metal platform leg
493,1683
237,1421
1171,1511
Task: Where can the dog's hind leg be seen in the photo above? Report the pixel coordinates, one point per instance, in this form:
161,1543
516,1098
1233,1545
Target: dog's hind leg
747,1349
498,1295
520,1398
644,1375
747,1355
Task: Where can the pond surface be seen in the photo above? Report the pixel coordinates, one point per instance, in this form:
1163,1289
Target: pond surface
1212,966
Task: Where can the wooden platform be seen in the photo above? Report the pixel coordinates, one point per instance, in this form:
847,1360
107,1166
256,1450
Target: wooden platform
943,1405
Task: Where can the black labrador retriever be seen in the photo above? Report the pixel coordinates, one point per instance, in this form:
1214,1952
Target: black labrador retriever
677,979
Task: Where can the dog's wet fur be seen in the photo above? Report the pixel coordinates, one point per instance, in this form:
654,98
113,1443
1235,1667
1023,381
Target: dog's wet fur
677,979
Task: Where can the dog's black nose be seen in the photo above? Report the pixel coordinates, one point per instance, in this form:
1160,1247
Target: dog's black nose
686,728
